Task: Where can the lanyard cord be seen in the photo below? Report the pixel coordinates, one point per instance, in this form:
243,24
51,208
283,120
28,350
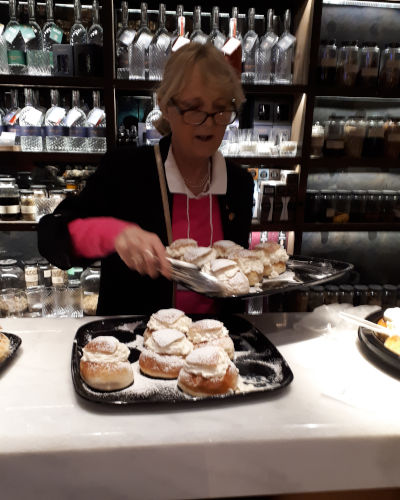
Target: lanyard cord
210,210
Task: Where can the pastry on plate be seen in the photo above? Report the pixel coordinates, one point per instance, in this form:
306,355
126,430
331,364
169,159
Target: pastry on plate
178,247
228,273
250,263
104,364
393,343
164,354
211,332
199,256
167,318
4,346
274,258
224,247
208,371
391,316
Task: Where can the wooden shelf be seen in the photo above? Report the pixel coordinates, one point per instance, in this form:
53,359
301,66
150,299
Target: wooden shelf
51,81
273,226
357,91
345,162
355,226
18,225
68,157
266,161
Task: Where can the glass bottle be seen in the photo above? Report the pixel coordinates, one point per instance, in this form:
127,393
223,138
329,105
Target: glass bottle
33,41
235,14
30,122
264,52
198,34
9,199
180,39
285,54
233,48
327,62
139,49
389,74
95,32
11,117
215,36
152,134
90,283
348,63
177,30
3,53
44,272
160,47
52,34
15,43
55,131
96,123
78,33
276,25
76,123
369,65
124,38
251,44
11,275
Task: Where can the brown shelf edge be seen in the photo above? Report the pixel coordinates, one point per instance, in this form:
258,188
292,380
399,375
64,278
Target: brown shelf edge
50,156
18,226
355,226
94,82
265,161
273,226
348,162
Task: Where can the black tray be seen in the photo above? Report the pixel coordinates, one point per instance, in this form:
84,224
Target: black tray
375,343
15,342
262,368
301,271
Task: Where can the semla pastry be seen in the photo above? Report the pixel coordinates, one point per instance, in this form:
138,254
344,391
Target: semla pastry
4,346
167,318
229,275
178,247
211,332
164,354
104,364
224,247
208,371
199,256
250,263
393,343
277,256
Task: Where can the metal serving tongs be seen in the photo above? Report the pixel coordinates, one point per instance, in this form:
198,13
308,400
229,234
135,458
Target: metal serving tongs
190,275
367,324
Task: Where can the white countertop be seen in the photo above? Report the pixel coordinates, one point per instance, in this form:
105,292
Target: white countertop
336,427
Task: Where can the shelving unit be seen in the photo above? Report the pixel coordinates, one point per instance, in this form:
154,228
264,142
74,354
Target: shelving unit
307,18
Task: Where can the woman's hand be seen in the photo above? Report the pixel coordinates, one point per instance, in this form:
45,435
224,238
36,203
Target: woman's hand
143,252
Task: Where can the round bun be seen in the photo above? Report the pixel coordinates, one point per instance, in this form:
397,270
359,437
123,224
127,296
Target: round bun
225,342
104,364
224,247
4,346
160,365
393,343
179,247
110,376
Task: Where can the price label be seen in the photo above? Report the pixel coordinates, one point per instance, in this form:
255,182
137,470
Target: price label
144,41
96,116
33,116
55,115
181,41
231,45
10,33
72,116
127,37
27,33
56,34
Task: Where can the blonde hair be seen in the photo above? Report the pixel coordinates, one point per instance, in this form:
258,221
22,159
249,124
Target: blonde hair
218,74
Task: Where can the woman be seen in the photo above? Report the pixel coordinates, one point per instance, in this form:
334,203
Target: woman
119,216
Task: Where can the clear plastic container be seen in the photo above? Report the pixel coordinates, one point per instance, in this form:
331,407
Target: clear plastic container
355,129
327,62
348,64
369,65
334,136
11,275
317,139
90,283
389,74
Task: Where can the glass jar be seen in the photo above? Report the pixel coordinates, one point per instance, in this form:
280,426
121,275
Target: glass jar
315,297
389,200
90,283
355,129
317,139
334,136
56,196
71,184
389,74
11,275
373,205
31,271
327,62
361,294
301,300
342,207
331,294
357,206
28,205
389,296
9,199
44,272
327,205
13,302
392,138
59,277
346,294
375,295
348,63
369,64
70,192
374,142
39,190
311,208
24,180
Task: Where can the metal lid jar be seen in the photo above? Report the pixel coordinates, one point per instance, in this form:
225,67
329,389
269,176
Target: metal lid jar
90,283
334,136
9,199
355,129
392,138
327,62
348,63
389,74
369,64
317,139
11,275
28,205
374,141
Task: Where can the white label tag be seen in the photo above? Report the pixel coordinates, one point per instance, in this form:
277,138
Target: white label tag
249,43
13,209
351,68
369,72
7,138
231,45
31,278
1,28
127,37
33,116
286,41
28,209
96,116
180,42
72,116
10,33
47,274
163,42
57,280
56,115
268,42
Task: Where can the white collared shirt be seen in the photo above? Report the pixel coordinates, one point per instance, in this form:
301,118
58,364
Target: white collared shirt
176,184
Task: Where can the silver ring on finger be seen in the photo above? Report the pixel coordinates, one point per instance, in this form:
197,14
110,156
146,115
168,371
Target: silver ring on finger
149,253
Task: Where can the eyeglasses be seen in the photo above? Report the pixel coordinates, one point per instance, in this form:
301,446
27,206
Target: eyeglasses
197,117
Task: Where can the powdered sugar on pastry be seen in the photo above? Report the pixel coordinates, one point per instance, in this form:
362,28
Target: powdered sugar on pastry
209,362
232,279
179,247
169,341
169,318
199,256
105,350
206,330
223,247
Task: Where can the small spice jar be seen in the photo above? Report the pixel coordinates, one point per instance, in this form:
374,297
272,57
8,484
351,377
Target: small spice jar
327,62
375,295
346,294
9,199
317,139
389,296
39,190
90,283
315,297
334,136
58,276
56,196
44,272
357,206
361,294
11,275
28,204
389,200
31,271
71,184
331,294
348,63
392,138
355,129
369,65
301,300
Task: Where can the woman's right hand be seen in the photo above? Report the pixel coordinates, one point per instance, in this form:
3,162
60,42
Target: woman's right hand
143,252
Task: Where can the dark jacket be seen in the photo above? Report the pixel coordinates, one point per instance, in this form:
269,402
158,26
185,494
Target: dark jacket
126,186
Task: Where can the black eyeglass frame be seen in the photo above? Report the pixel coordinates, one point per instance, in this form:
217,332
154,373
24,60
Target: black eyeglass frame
183,112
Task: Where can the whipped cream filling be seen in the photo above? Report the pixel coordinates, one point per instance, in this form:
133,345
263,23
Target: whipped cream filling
279,256
198,336
250,265
209,362
182,323
120,354
170,342
392,318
